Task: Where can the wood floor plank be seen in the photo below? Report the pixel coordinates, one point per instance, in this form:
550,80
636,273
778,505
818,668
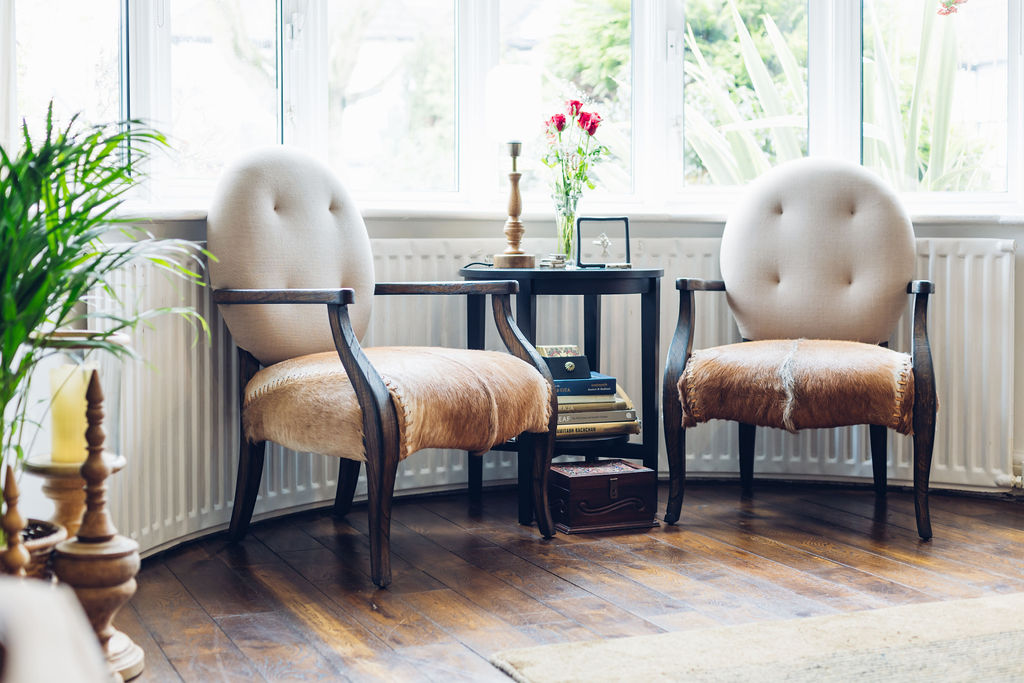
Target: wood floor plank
965,531
535,581
248,552
190,639
478,585
277,650
482,550
471,625
384,614
849,589
221,590
813,593
350,564
952,559
283,535
758,517
565,631
332,630
158,667
294,599
449,663
604,618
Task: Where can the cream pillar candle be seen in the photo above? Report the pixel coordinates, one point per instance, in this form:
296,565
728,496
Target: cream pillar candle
67,413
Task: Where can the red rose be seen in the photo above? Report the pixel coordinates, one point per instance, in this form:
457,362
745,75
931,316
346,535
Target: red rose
574,106
558,121
589,122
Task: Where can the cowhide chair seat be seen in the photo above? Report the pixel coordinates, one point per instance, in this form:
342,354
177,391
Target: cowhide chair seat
817,261
795,384
443,398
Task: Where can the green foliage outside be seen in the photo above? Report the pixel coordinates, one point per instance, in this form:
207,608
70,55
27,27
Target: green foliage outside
746,89
592,52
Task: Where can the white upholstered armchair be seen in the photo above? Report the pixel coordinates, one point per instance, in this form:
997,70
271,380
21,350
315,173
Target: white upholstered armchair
294,281
816,264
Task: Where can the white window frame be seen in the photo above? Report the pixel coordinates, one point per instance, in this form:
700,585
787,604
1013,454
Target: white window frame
834,74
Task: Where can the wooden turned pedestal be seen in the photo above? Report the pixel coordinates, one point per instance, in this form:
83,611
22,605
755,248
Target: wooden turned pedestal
99,564
103,576
63,484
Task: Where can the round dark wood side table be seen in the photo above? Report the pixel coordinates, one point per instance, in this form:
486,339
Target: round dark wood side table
591,284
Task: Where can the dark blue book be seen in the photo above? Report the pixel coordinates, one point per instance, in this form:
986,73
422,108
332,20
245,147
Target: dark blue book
595,384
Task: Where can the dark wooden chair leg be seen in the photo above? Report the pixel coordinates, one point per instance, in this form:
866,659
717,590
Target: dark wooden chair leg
543,451
525,488
380,493
924,440
348,476
247,486
925,405
879,457
475,471
748,434
675,445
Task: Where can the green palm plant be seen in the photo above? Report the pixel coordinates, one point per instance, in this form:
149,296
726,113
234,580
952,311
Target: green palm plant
58,200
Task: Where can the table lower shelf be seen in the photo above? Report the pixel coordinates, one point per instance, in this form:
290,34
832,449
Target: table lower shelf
590,443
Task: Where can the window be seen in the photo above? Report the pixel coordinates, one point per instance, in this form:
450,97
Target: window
745,88
391,94
83,76
215,94
542,39
934,93
412,101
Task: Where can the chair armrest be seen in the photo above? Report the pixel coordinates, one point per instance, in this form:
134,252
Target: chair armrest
921,287
342,296
692,284
681,346
474,287
520,347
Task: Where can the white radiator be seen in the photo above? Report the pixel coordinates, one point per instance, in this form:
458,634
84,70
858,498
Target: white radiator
180,415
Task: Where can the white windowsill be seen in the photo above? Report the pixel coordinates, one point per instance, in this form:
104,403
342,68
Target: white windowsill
961,213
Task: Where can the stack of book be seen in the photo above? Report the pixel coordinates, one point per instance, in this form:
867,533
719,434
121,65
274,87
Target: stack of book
589,403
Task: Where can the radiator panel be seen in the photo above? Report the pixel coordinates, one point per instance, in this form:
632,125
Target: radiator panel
180,413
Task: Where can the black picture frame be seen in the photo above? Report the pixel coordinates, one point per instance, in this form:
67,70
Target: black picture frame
580,263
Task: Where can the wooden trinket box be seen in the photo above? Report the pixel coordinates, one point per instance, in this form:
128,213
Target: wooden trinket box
602,496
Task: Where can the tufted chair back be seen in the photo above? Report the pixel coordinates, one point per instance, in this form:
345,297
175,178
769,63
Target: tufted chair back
818,249
281,219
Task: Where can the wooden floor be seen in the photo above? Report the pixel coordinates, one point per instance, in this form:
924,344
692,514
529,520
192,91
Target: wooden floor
294,601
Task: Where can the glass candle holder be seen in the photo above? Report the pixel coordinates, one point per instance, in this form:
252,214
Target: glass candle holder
69,374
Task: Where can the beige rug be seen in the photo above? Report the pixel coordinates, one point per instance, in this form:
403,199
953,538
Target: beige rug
964,640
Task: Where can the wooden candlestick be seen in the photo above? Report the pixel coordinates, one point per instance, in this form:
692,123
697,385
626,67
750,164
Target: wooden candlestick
100,564
513,256
16,557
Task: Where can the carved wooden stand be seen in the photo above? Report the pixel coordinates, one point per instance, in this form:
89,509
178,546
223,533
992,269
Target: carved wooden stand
513,256
99,564
16,556
66,488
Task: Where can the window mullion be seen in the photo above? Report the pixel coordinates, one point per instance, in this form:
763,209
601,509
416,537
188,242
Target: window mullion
303,75
834,78
1015,105
657,91
8,74
148,28
477,40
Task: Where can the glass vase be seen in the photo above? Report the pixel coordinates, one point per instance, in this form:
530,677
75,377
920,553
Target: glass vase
565,226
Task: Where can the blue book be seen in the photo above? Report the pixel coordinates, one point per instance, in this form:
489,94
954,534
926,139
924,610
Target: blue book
595,384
